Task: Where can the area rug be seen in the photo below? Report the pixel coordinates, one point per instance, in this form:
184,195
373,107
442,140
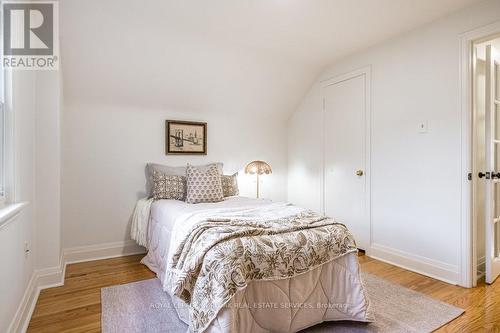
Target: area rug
144,307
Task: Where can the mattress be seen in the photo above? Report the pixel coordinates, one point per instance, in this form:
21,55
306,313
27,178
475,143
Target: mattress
333,291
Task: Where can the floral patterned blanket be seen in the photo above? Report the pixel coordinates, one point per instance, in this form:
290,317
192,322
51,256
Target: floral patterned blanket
220,256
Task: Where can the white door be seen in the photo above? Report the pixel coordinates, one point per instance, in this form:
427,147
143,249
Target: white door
492,202
345,154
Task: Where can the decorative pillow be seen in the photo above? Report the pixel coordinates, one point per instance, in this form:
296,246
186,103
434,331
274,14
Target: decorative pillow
203,185
168,186
171,171
230,185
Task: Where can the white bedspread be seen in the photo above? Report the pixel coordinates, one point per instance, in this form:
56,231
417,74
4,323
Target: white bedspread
170,219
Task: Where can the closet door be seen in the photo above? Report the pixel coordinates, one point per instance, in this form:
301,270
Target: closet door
345,178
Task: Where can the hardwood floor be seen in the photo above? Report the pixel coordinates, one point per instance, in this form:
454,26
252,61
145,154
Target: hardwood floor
76,306
481,304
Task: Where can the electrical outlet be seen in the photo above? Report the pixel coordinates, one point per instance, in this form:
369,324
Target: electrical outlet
27,249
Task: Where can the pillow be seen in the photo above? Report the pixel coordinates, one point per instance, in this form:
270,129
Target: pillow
168,186
230,185
203,185
170,170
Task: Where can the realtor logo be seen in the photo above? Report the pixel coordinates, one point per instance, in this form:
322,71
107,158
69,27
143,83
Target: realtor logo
30,35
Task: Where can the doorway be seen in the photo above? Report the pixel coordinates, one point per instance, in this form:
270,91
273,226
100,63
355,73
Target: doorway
486,159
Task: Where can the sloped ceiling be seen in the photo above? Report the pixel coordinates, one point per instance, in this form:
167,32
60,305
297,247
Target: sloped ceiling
241,56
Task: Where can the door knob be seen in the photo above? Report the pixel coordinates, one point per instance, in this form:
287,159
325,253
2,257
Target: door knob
484,175
359,173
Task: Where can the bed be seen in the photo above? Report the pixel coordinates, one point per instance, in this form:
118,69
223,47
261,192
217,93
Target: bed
331,289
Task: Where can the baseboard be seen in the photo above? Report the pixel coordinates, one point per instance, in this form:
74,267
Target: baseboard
54,276
422,265
101,251
25,309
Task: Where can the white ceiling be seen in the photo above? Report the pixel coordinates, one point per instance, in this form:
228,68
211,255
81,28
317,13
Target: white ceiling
249,56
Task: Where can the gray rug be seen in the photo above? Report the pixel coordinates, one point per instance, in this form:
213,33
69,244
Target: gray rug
143,307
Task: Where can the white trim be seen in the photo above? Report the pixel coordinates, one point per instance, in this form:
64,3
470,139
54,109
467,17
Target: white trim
346,76
323,156
101,251
467,234
40,279
43,279
3,143
422,265
25,309
368,153
366,72
54,276
10,142
9,212
474,169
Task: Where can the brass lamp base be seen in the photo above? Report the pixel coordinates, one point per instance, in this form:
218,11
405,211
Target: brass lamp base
258,181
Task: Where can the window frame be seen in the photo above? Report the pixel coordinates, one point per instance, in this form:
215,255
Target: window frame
3,187
3,95
7,132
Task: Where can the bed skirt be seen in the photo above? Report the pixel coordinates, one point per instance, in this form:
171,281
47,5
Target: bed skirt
333,291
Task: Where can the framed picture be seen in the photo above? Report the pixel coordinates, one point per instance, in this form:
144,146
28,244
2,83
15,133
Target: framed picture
186,137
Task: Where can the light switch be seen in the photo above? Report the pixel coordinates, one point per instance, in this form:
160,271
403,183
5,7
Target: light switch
422,127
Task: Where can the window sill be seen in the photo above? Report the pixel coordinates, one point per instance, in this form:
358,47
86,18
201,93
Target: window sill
9,211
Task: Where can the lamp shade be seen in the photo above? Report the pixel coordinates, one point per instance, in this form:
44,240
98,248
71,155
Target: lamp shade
258,167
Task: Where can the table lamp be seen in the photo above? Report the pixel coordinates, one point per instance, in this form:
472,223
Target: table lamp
258,168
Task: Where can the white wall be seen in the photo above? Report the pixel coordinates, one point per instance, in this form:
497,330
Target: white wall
17,268
106,148
48,168
305,149
416,194
34,101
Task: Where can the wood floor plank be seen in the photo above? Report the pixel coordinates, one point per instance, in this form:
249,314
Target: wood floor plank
76,306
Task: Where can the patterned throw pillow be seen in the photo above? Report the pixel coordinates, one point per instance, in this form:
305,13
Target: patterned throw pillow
203,185
168,186
230,185
171,170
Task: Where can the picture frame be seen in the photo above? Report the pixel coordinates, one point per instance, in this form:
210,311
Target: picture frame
185,137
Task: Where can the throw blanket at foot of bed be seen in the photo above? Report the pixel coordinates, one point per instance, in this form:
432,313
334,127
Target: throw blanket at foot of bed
219,257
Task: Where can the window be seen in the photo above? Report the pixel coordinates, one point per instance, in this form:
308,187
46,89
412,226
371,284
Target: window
7,195
2,136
